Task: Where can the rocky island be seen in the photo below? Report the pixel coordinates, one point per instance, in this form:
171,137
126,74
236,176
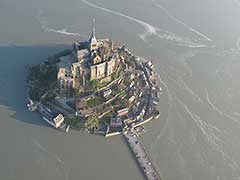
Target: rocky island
98,87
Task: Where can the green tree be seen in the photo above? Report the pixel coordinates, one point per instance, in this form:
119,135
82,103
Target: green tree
92,123
114,76
95,84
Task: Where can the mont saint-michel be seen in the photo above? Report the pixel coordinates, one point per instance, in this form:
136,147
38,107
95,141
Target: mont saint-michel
98,87
196,59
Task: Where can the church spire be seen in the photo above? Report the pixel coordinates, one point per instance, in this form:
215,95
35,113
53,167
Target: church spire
93,44
93,27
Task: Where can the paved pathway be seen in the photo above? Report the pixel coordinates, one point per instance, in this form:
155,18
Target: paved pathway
141,155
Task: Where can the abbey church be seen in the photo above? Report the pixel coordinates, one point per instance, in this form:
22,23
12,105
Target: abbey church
92,60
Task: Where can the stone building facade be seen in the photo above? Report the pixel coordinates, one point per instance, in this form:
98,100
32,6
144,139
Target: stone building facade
65,82
94,59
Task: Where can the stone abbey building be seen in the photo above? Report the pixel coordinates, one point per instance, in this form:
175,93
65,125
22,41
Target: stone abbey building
91,60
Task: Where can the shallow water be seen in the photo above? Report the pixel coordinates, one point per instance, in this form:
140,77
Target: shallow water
195,48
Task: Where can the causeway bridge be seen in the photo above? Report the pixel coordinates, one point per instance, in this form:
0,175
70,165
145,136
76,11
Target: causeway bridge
141,155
